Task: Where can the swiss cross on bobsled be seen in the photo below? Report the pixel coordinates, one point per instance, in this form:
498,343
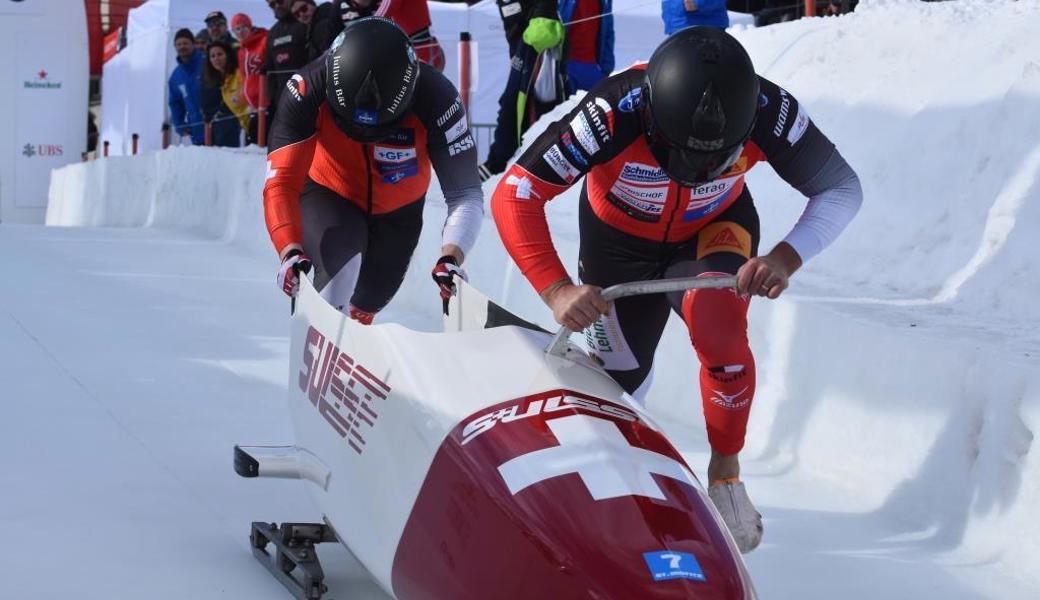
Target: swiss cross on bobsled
560,495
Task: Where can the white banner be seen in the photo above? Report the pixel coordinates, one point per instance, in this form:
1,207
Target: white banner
41,130
22,7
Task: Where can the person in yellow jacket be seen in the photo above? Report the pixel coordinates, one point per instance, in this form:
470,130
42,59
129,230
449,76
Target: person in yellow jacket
222,72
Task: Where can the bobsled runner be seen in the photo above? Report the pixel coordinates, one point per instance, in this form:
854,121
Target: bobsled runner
493,460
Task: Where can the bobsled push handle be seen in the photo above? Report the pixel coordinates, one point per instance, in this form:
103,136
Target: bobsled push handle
558,346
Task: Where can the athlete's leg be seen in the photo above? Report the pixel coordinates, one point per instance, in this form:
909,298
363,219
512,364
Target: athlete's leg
335,233
717,324
623,341
392,238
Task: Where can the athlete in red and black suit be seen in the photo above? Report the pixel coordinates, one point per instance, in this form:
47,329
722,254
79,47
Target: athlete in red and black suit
350,157
664,148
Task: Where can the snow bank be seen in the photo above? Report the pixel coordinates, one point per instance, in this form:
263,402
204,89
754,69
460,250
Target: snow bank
213,192
902,365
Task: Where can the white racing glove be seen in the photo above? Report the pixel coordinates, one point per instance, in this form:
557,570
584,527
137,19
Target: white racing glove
294,263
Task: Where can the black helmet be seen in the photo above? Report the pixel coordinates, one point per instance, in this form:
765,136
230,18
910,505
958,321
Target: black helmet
371,71
702,99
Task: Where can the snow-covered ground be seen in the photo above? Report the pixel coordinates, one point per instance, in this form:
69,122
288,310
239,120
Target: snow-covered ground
890,447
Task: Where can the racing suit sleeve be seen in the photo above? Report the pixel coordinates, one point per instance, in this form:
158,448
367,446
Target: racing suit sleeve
595,131
289,153
803,156
453,155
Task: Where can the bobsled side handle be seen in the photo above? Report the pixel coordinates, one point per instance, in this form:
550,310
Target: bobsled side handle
558,346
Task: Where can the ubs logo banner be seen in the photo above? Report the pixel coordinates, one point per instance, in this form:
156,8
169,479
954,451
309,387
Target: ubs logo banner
22,7
42,150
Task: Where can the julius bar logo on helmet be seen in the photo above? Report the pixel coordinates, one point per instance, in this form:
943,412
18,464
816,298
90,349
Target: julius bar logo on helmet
371,75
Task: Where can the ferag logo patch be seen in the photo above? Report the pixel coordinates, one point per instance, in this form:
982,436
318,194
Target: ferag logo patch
723,236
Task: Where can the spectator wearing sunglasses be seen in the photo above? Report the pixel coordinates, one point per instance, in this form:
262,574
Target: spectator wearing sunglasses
216,30
286,50
320,21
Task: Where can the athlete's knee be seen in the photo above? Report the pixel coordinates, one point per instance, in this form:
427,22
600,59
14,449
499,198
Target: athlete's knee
717,322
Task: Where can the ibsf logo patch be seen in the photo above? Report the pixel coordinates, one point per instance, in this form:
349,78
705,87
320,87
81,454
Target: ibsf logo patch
631,101
346,394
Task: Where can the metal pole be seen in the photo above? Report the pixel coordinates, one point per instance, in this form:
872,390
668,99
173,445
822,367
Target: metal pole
133,143
558,346
810,8
104,151
165,136
208,134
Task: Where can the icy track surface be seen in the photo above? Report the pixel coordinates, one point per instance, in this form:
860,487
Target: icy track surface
890,445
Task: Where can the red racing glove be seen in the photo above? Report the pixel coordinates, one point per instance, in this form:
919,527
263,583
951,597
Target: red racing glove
294,263
444,272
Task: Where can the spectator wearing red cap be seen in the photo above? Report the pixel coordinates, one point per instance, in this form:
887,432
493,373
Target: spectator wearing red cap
252,55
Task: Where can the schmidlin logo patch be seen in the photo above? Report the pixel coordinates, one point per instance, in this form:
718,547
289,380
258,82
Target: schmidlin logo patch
42,82
343,391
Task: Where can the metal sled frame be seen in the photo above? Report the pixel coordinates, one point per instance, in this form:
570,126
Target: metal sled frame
294,560
559,347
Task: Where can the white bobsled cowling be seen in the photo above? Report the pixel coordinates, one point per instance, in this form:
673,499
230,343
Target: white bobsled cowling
416,429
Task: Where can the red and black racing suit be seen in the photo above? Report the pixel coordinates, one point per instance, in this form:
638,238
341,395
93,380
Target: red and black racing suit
356,208
636,223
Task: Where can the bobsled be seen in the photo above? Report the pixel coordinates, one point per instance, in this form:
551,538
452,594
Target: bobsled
493,460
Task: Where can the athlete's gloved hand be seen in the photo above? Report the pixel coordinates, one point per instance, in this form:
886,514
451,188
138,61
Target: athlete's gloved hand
294,263
543,33
444,272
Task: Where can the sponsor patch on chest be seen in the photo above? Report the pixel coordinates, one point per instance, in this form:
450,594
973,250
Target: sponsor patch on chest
395,164
707,198
641,191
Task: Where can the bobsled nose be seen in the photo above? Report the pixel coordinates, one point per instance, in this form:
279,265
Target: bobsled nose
564,504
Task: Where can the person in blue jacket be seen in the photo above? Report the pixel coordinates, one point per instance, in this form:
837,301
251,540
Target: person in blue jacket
589,41
184,94
680,14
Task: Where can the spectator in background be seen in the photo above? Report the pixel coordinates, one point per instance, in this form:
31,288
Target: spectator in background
680,14
590,41
252,56
222,73
216,29
319,21
532,27
286,49
184,97
412,16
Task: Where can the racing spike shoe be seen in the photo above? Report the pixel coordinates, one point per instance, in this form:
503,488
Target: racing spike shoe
745,524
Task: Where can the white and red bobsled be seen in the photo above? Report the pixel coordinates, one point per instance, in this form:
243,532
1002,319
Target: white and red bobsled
489,461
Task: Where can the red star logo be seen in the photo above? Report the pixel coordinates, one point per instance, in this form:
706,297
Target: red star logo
42,74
